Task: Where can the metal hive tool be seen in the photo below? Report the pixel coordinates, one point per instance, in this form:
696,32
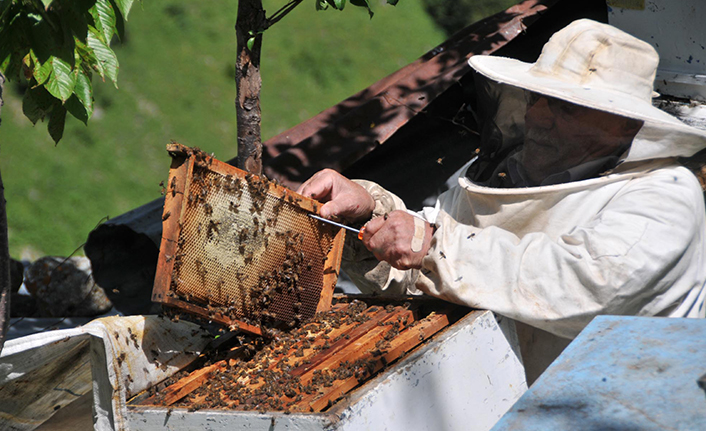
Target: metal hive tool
241,250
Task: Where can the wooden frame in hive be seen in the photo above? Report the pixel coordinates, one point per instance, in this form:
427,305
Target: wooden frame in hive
240,250
310,368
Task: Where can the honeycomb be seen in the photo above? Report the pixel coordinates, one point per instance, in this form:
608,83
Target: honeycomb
247,253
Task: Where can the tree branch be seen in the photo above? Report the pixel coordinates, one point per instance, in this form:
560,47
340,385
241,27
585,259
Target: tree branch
251,19
4,257
281,13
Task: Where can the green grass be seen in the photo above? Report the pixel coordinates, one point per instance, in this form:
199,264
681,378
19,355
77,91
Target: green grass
177,82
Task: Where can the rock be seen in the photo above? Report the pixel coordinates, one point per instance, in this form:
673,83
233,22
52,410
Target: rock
65,288
22,305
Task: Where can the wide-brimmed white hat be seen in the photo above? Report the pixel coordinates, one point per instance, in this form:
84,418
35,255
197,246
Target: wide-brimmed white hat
599,66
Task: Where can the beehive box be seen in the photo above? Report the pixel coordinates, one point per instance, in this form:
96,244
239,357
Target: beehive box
382,366
309,368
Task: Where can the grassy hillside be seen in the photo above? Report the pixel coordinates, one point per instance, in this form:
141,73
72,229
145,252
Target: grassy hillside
176,82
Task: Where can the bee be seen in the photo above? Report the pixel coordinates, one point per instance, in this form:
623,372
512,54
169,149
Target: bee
243,236
212,227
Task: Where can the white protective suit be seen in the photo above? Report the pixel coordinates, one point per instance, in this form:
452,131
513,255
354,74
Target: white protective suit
628,243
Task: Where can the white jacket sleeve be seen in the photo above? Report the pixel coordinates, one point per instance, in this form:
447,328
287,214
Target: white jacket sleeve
369,274
637,256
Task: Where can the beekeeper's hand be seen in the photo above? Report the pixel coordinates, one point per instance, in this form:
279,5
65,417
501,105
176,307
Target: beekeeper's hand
399,238
342,198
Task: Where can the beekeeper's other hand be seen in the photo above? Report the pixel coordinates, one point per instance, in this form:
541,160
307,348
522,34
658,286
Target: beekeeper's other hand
342,198
399,238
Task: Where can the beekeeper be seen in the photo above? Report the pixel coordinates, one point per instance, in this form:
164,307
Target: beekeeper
591,215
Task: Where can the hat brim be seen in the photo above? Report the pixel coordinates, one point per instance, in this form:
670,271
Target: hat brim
519,74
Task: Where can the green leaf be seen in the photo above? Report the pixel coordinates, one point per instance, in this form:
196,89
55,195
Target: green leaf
4,5
120,21
37,103
75,17
88,58
104,19
321,5
84,91
80,104
250,43
12,66
107,62
124,6
13,42
47,3
75,108
41,37
32,109
47,37
337,4
57,120
7,49
41,72
365,4
62,81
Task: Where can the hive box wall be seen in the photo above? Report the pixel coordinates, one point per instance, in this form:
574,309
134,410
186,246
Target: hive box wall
466,378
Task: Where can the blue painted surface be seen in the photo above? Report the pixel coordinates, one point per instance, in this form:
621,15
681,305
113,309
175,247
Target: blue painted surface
621,373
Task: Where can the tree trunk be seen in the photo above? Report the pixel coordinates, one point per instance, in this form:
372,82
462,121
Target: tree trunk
251,18
4,257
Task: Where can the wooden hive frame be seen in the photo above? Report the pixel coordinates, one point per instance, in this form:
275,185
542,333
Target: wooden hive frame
384,335
181,175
